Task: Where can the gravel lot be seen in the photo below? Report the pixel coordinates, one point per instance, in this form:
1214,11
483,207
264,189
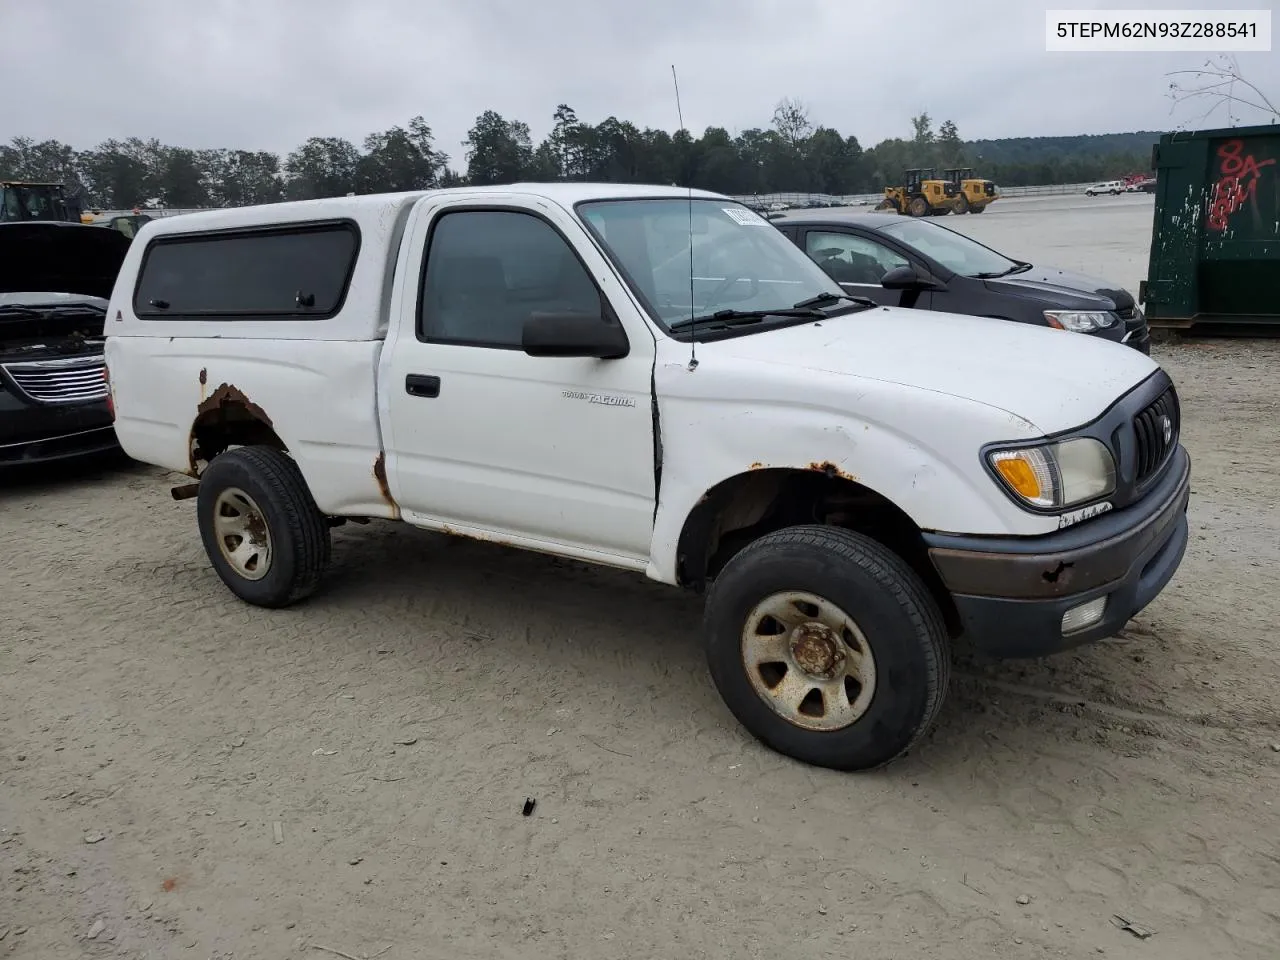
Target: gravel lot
185,776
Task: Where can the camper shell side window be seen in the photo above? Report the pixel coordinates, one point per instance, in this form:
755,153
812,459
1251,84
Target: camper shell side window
299,271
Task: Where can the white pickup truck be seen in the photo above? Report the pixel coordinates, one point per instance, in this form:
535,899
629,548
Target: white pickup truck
657,380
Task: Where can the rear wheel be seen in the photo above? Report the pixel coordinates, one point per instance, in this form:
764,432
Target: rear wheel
263,533
827,647
962,205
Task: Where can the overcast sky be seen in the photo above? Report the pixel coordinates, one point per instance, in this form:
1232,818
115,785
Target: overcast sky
266,74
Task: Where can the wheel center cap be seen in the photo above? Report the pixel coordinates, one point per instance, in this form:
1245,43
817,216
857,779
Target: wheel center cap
816,650
256,527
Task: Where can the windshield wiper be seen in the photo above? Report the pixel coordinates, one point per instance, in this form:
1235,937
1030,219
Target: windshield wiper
735,318
1019,266
823,299
805,308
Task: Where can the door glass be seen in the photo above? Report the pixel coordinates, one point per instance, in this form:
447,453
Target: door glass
488,271
851,259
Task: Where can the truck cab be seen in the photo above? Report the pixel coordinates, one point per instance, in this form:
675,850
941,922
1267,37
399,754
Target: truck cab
657,380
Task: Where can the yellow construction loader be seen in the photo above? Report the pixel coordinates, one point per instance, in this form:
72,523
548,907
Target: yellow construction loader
967,193
922,194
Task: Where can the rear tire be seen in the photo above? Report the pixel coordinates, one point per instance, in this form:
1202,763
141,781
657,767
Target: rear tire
962,205
854,625
261,529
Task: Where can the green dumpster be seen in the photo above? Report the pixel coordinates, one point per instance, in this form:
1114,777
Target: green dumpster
1215,243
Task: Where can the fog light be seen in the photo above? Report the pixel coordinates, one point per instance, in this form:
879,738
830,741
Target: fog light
1083,616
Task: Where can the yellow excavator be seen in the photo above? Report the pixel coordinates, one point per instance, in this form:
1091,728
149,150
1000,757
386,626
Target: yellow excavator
922,194
967,193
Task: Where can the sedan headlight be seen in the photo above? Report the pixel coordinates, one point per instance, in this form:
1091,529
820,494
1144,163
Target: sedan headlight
1056,475
1080,321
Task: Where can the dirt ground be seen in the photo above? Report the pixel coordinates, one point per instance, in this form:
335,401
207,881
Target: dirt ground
185,776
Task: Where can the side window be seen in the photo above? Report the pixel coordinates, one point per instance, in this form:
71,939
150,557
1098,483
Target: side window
297,272
488,271
847,258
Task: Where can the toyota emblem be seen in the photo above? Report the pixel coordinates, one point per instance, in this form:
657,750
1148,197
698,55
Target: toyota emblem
1167,425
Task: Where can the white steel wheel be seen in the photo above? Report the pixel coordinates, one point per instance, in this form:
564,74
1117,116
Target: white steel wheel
808,660
241,532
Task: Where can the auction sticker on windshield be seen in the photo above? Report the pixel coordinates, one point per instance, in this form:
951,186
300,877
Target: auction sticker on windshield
745,217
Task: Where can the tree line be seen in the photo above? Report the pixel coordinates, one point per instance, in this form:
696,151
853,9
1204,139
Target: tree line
792,154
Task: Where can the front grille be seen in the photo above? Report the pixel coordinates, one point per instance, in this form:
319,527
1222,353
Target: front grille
64,380
1156,432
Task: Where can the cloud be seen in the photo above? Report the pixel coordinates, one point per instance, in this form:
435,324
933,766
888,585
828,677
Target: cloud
267,74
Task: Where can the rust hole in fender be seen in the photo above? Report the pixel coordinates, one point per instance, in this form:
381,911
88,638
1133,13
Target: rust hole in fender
229,394
831,470
226,404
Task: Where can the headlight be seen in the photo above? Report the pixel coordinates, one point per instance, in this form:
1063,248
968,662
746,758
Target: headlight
1080,321
1056,475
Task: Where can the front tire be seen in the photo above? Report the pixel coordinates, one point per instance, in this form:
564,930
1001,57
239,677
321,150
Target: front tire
827,647
261,529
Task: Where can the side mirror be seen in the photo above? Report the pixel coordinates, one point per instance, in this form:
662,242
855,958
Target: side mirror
574,335
905,278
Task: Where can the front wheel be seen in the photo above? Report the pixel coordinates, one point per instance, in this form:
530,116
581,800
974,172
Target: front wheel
263,533
827,647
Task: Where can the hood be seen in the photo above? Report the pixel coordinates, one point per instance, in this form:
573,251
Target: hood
1065,289
60,257
1054,379
47,298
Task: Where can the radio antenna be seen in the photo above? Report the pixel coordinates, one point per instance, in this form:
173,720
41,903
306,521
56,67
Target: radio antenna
693,310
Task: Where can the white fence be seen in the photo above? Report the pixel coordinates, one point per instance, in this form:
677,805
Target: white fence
863,199
763,199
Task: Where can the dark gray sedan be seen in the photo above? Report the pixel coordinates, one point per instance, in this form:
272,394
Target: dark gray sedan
907,262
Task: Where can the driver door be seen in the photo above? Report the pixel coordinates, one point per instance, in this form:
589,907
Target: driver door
552,453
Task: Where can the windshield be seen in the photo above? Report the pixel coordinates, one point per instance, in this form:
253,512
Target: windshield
953,250
740,261
21,202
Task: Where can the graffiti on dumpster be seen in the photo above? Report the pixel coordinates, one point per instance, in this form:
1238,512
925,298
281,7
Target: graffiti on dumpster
1238,183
